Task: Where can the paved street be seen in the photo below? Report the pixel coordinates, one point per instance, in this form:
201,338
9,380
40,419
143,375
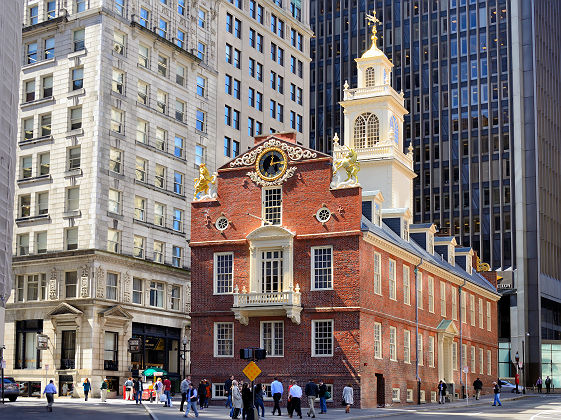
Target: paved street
529,408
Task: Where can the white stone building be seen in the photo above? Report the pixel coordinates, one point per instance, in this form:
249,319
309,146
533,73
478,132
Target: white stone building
9,100
118,109
263,51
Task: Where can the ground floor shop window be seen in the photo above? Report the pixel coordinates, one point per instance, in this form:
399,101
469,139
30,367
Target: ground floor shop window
113,384
505,361
551,363
29,389
66,385
27,355
110,361
68,352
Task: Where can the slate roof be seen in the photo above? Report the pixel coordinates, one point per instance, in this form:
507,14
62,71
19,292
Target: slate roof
420,225
411,246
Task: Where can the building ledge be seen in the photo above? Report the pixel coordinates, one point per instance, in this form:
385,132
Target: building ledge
71,214
75,132
73,172
44,23
77,92
25,181
158,227
153,187
39,101
32,219
36,140
254,304
40,63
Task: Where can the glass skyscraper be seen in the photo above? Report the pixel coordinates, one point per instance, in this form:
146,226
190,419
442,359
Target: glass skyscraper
481,82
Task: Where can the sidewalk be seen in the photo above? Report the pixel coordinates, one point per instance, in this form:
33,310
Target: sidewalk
159,412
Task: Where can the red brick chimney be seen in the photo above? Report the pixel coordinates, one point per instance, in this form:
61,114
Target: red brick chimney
289,136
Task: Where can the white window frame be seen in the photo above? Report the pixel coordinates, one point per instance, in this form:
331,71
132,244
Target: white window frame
407,346
216,394
273,337
393,344
215,340
472,309
488,316
443,298
313,268
378,340
396,395
406,285
481,361
454,356
480,303
115,287
217,255
431,351
264,206
454,294
420,291
472,358
377,273
489,362
420,349
431,294
392,279
409,395
314,324
464,307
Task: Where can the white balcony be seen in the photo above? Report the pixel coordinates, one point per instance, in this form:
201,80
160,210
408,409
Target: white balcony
254,304
368,92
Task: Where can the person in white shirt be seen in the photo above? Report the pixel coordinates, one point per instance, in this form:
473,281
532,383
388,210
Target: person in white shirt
276,390
295,394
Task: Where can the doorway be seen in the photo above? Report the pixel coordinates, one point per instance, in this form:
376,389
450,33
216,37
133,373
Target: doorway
380,391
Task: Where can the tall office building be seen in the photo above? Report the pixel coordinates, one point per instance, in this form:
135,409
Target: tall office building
481,84
9,100
263,72
118,110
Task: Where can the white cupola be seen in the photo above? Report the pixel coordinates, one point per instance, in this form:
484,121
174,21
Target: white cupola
373,127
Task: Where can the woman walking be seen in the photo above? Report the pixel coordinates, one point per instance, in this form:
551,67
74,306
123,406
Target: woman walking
87,388
236,399
246,400
348,398
259,394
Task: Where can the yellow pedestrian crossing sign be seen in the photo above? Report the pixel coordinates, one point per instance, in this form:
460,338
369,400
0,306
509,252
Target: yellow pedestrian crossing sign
252,371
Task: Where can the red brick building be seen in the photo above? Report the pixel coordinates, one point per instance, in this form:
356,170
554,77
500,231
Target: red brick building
284,261
292,254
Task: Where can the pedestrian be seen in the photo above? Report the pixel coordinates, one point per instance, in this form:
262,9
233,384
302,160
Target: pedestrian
228,388
296,398
348,398
247,398
312,391
201,390
137,389
167,391
539,384
50,391
276,390
184,388
191,401
497,392
289,406
547,384
159,387
87,388
104,389
442,392
208,392
259,394
478,386
236,399
322,393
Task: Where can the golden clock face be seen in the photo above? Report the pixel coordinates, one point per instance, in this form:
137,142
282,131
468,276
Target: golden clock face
271,164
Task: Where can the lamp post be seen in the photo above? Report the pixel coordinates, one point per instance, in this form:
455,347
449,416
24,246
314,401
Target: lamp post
523,367
184,354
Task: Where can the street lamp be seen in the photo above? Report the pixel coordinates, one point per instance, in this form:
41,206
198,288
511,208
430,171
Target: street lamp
184,354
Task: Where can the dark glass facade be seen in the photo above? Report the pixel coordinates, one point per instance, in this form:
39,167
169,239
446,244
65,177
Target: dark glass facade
452,61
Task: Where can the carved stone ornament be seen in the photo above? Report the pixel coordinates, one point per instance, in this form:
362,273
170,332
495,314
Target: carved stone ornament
52,285
84,281
187,298
100,281
260,181
293,152
126,287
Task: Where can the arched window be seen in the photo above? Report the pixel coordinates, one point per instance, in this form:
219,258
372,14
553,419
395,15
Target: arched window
366,130
395,127
370,77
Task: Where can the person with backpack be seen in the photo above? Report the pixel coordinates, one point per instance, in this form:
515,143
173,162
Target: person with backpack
129,389
497,392
323,397
477,386
547,384
191,401
259,394
159,387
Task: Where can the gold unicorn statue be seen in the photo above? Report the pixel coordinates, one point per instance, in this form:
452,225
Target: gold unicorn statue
204,182
349,164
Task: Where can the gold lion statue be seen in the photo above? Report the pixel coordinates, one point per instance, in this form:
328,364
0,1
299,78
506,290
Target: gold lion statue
204,181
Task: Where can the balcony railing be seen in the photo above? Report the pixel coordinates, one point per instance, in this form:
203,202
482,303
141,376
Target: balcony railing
258,304
67,364
367,92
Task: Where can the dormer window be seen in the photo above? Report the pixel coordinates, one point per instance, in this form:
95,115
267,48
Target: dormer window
378,215
370,77
272,205
366,130
405,230
451,254
468,264
430,243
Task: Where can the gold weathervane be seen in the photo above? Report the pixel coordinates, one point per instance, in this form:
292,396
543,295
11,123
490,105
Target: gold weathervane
204,181
373,20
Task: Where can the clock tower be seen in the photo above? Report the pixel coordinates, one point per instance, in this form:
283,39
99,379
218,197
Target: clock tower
373,115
